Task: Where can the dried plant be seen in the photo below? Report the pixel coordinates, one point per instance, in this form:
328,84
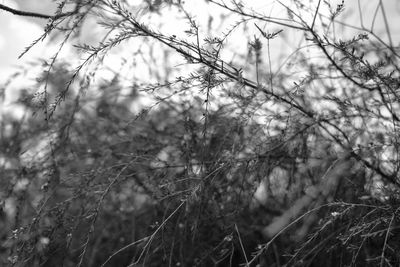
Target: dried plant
199,148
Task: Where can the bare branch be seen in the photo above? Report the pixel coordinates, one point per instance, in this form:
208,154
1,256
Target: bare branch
33,14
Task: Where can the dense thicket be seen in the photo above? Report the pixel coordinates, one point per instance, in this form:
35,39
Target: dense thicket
219,143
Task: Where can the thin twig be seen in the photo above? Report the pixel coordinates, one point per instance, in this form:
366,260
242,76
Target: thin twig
386,238
241,245
33,14
315,16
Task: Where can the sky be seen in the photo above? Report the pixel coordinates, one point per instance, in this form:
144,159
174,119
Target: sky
17,32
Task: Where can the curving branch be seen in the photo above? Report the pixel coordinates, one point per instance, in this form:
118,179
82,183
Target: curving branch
33,14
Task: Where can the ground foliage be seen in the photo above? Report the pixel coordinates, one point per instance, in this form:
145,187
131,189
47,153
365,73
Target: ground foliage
238,160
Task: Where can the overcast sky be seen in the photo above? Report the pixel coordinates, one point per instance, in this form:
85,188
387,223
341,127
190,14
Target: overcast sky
18,32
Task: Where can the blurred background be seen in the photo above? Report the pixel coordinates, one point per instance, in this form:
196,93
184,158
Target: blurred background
124,152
